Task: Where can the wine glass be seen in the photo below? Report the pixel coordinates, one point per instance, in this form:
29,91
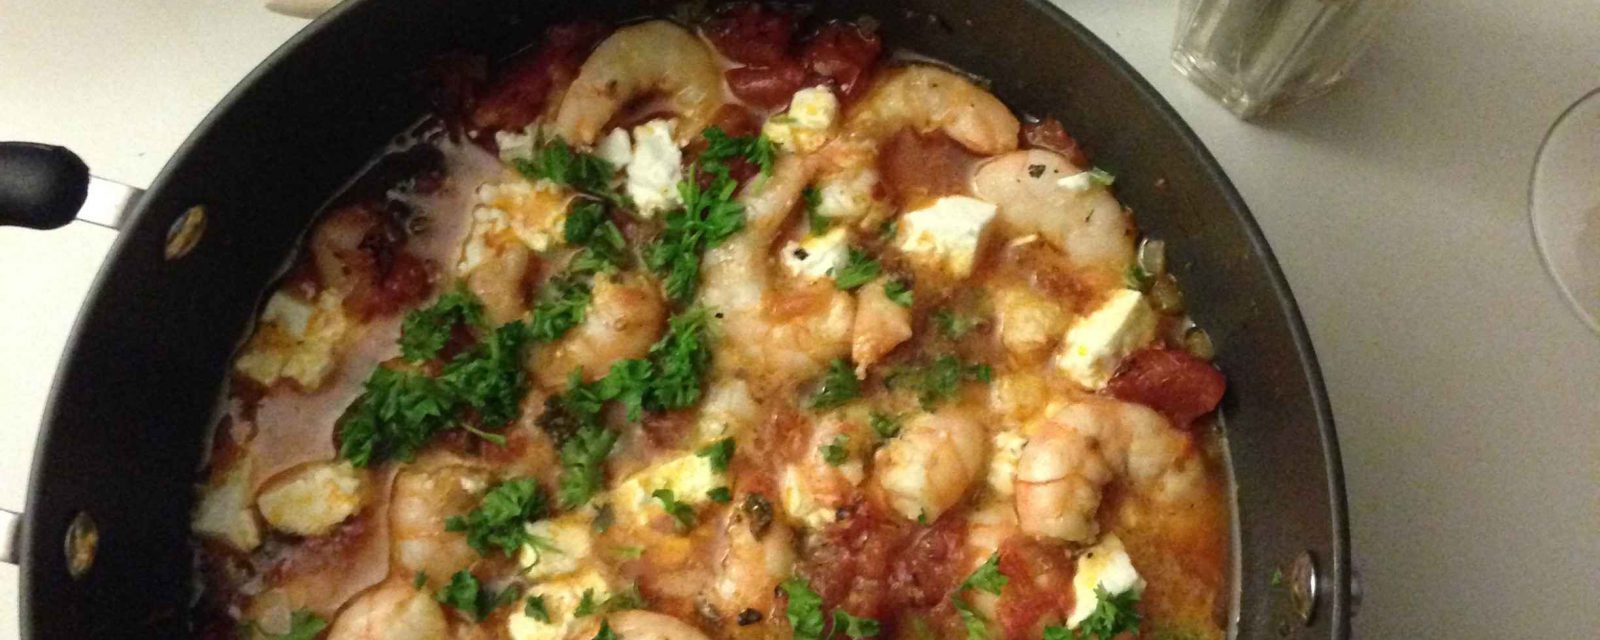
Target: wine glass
1564,205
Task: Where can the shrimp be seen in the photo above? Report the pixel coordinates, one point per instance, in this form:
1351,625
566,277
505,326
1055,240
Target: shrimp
624,318
813,489
393,610
1028,323
655,57
1064,469
929,467
880,325
637,624
926,98
751,565
424,496
785,336
500,283
1089,225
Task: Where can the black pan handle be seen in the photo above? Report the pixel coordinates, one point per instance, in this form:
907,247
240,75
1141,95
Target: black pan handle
41,186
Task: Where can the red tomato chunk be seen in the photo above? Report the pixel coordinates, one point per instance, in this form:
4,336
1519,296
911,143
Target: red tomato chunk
1173,382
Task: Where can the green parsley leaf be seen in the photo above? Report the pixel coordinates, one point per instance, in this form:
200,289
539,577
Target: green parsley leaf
804,609
1054,632
898,292
719,453
839,386
987,576
500,517
720,147
628,383
558,162
420,580
836,452
632,552
536,609
888,230
1136,278
937,380
467,595
708,217
977,626
587,605
817,222
1113,614
394,417
953,325
604,247
1101,177
303,625
625,599
679,511
605,632
583,459
489,379
680,359
853,627
720,494
883,424
563,305
425,331
858,270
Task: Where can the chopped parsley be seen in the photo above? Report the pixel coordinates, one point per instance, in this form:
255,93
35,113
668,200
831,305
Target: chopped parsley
839,386
804,609
587,226
858,270
605,632
977,626
631,552
587,605
427,330
558,162
536,609
853,627
680,361
682,512
953,325
396,415
499,519
884,425
1136,278
836,452
420,580
467,595
898,292
817,222
1101,177
489,379
986,577
583,459
937,380
1113,614
562,305
721,147
303,625
708,217
628,598
720,494
718,453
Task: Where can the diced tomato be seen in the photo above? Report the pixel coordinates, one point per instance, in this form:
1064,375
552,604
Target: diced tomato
519,96
1038,588
394,280
768,87
1173,382
753,34
851,562
1048,134
843,52
930,567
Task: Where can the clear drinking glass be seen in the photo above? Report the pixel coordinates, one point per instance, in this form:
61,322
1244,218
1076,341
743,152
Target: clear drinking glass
1254,55
1564,205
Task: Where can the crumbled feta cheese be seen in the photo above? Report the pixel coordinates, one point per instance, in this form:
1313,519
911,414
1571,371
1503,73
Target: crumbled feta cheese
295,340
561,597
1003,465
1096,344
946,234
1105,565
806,126
513,211
562,544
727,411
655,169
1086,180
290,313
847,195
515,145
818,257
314,499
810,505
223,510
616,148
688,476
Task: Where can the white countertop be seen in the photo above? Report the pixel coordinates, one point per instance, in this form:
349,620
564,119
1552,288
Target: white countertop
1467,394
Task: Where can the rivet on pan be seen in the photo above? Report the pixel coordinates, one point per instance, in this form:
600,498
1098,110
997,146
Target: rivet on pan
1302,582
185,232
83,541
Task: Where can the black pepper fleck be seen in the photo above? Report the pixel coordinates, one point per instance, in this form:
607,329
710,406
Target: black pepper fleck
749,617
800,254
1036,170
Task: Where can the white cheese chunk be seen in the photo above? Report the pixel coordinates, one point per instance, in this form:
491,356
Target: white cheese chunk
1096,344
312,500
818,257
806,126
561,597
655,169
223,510
616,148
1085,180
563,543
847,195
689,477
1105,565
946,234
514,210
290,313
295,340
517,145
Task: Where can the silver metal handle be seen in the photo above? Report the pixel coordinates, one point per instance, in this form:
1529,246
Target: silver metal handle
10,530
108,202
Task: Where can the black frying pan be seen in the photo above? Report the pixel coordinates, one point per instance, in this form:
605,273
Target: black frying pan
139,387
